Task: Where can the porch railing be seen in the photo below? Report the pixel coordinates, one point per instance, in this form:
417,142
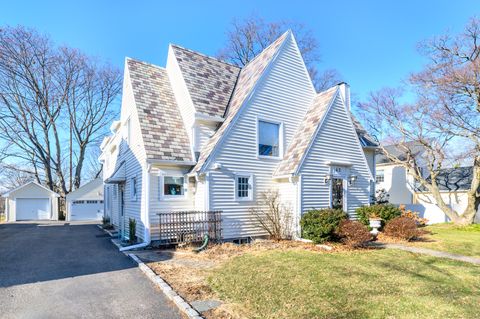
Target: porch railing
190,226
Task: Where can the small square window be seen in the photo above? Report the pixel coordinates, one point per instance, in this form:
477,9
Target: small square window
173,186
380,177
243,187
268,139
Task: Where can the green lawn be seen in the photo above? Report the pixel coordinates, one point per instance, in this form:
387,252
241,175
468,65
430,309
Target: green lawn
454,239
363,284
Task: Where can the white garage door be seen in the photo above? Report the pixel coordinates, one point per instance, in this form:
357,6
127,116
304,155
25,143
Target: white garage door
87,210
33,208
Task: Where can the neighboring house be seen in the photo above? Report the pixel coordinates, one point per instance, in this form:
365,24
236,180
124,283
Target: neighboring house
393,177
453,184
31,201
403,190
86,202
202,134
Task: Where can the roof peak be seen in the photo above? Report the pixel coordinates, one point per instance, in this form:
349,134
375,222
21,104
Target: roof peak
204,55
143,62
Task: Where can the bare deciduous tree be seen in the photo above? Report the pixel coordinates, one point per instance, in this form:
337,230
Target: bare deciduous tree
47,94
273,216
444,118
247,38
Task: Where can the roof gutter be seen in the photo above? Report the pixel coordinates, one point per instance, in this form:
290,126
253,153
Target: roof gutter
170,162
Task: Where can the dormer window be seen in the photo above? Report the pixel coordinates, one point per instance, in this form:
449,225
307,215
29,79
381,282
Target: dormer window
269,139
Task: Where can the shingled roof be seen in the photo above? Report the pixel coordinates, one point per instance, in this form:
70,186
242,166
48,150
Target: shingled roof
399,151
305,132
247,79
210,82
365,139
163,131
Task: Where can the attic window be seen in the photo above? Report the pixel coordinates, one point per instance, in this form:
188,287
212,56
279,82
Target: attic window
269,141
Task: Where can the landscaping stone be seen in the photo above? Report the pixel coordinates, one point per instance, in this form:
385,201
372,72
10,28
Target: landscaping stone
205,305
325,247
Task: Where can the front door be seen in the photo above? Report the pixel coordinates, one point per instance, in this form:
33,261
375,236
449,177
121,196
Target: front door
337,193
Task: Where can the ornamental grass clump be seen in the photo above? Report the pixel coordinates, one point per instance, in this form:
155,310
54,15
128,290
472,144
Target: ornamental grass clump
132,230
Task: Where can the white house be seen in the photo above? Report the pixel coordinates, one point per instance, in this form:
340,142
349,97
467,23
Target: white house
86,202
202,134
403,190
31,201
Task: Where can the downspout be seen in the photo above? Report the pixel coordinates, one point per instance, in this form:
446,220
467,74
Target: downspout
146,215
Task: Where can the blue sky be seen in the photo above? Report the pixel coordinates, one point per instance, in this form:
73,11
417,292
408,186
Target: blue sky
371,43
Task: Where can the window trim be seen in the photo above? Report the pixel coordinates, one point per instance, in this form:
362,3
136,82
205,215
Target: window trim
161,185
280,139
250,184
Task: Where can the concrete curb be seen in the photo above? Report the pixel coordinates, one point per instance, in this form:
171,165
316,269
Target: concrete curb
107,231
171,294
116,244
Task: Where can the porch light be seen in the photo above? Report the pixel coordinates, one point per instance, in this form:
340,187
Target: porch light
327,179
352,179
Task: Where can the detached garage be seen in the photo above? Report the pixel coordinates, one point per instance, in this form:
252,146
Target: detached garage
31,201
86,203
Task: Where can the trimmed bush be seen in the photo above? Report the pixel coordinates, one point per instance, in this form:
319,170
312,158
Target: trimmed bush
403,228
386,212
319,225
353,233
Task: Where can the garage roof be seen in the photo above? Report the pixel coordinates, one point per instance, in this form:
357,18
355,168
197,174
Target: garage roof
7,194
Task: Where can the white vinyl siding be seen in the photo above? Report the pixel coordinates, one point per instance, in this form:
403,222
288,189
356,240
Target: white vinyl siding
336,141
283,96
202,133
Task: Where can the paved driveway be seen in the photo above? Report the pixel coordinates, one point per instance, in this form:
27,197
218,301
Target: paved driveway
57,270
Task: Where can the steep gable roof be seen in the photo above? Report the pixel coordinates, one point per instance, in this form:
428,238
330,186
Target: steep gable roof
247,80
365,138
8,193
306,132
210,82
163,132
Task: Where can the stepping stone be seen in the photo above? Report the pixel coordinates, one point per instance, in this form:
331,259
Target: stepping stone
205,305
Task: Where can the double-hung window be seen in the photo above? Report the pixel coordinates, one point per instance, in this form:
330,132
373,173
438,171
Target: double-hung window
243,186
380,177
133,189
269,139
173,186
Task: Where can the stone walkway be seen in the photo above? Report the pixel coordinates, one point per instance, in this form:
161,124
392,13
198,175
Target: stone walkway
430,252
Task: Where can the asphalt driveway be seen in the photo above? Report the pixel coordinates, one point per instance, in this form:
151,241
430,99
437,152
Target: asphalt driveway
58,270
